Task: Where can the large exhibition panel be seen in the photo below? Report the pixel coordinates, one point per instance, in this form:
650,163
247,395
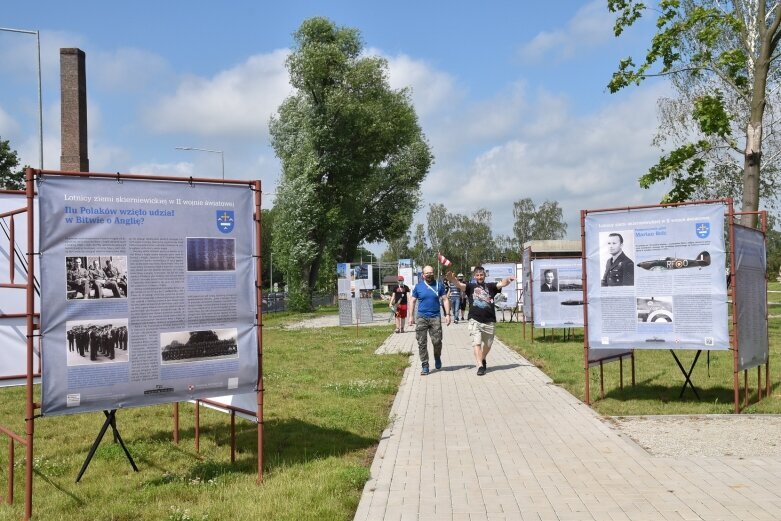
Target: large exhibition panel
150,292
656,278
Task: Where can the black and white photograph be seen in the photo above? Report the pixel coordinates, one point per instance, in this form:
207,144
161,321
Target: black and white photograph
616,251
196,346
549,280
211,254
656,310
98,341
96,277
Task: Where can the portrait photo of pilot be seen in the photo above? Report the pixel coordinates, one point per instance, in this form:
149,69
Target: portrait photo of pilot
550,280
619,268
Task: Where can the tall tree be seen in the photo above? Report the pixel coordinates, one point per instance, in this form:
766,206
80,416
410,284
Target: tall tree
397,249
524,211
420,251
11,176
722,58
537,223
353,155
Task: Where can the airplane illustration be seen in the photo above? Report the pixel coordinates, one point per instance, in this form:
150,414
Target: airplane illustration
571,302
674,263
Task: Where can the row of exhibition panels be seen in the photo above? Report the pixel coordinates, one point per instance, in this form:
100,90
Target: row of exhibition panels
677,271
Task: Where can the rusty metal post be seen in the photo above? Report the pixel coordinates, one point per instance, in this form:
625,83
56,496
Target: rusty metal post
621,372
585,302
176,423
10,471
29,419
736,346
259,290
233,436
197,427
601,380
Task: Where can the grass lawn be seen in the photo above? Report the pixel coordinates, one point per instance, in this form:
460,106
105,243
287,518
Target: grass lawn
658,379
326,403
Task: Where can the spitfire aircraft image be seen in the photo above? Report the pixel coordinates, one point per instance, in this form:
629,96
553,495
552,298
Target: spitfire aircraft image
674,263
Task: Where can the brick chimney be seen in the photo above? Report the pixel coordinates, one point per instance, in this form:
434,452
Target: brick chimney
73,89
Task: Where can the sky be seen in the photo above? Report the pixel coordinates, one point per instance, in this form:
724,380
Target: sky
511,95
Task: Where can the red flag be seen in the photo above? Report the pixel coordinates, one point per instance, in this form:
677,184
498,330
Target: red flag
442,260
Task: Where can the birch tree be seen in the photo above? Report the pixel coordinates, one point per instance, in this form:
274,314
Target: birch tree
722,59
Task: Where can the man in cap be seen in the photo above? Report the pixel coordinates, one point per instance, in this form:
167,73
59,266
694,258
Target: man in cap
455,295
462,308
399,304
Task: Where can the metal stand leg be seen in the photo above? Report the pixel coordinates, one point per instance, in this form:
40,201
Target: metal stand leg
687,375
111,421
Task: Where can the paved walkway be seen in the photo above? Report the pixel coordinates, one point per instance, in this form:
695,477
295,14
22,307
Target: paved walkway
510,445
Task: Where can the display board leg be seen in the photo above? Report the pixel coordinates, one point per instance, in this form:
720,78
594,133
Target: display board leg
111,421
687,375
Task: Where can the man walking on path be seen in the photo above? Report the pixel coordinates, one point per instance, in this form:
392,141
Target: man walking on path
482,315
455,295
399,304
429,292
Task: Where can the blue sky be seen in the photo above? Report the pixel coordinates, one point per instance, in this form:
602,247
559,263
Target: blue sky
510,94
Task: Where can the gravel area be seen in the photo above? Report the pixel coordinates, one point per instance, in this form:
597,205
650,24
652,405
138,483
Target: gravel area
738,435
380,319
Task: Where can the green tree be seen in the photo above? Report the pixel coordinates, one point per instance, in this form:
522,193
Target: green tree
722,60
353,155
397,249
420,251
537,223
11,176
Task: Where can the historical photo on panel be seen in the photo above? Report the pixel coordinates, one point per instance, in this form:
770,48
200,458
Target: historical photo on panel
211,254
616,251
97,341
657,310
196,346
550,280
96,277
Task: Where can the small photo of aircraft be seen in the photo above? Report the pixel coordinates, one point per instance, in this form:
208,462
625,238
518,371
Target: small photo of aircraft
675,263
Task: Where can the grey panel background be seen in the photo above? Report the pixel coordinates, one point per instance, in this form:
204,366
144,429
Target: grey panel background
166,213
496,271
659,233
548,308
526,281
345,312
751,297
365,311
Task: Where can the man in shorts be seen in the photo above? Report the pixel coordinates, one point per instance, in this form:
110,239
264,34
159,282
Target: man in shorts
482,315
399,304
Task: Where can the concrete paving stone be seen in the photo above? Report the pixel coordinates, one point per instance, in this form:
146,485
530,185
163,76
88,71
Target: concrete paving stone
514,441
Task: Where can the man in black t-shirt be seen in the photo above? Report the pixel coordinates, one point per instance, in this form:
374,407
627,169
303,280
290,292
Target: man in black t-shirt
482,315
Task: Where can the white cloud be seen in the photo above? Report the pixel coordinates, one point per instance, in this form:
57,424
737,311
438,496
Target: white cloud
127,69
583,162
237,102
589,27
8,126
180,169
432,90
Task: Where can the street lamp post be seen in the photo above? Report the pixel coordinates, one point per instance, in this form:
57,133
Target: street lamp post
222,156
40,89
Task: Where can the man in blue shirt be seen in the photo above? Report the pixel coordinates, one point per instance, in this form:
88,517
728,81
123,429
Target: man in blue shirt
427,294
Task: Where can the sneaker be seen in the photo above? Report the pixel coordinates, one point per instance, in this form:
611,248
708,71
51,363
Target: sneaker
396,331
481,370
424,371
437,362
